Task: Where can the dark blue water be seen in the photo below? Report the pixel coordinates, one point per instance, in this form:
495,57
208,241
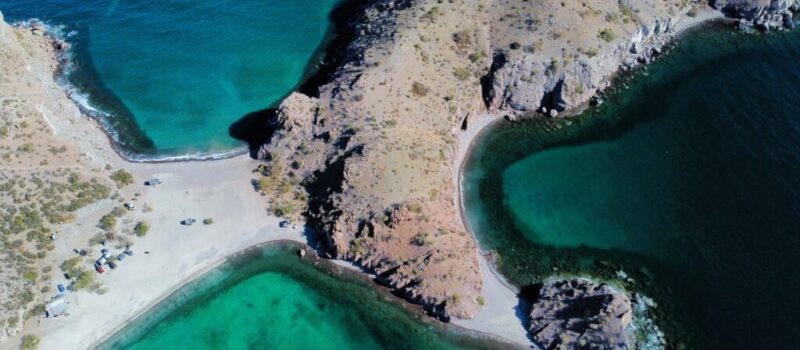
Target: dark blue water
174,75
687,179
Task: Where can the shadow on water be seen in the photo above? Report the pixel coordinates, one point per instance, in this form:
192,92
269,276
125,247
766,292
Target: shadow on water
331,52
115,116
255,128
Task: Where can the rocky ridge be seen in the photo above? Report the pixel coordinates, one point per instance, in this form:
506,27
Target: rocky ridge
374,147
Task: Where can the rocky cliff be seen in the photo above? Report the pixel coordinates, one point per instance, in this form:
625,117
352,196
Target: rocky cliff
372,149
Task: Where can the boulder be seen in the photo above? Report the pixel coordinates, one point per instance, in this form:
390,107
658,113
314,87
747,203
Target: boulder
764,14
580,314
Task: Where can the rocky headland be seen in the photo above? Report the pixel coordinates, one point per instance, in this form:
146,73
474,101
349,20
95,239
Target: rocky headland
366,152
371,151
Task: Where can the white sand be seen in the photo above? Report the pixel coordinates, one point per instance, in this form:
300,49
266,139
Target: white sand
219,190
498,316
216,189
499,313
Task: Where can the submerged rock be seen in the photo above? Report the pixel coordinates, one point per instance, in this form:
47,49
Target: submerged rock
580,314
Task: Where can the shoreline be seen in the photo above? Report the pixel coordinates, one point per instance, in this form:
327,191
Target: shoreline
332,266
183,283
177,253
471,136
317,72
98,145
467,140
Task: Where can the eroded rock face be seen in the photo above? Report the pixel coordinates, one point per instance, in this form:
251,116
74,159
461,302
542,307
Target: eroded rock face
374,148
537,80
374,157
579,314
763,13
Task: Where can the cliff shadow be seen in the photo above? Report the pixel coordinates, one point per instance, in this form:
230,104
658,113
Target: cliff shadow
330,54
255,129
525,299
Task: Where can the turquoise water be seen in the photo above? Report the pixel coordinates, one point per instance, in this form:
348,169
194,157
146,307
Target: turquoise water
174,75
270,299
687,178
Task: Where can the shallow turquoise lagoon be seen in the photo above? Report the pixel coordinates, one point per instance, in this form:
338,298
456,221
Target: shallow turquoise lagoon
268,298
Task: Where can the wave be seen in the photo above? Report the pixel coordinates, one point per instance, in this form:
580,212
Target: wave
190,157
66,58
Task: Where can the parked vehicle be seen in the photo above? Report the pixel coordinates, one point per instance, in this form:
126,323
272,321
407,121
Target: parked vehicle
121,257
188,222
130,206
152,182
284,224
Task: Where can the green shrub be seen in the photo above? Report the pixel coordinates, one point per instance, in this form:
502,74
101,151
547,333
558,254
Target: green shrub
419,90
122,178
141,228
70,266
108,221
607,35
461,73
84,280
29,342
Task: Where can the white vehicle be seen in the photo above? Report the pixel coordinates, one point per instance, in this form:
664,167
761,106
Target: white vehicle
130,206
152,182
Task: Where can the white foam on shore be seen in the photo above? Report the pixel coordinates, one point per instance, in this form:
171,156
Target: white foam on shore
198,156
66,59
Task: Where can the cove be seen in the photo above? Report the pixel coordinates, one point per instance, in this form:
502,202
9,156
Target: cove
687,179
269,298
168,78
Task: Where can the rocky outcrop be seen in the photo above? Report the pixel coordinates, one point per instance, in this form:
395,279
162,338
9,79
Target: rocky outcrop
579,314
528,81
764,14
293,122
373,146
531,81
566,85
372,158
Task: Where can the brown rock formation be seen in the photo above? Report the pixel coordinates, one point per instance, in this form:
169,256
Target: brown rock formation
579,314
374,149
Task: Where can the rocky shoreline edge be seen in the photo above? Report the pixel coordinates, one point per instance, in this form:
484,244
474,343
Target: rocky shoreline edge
510,85
350,223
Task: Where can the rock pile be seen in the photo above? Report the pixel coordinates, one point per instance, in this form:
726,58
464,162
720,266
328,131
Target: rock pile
580,314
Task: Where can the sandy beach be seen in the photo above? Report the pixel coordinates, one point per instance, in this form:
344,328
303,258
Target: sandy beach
172,254
177,253
499,314
219,189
